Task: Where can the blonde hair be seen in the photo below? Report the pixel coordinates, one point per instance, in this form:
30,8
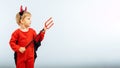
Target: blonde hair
21,17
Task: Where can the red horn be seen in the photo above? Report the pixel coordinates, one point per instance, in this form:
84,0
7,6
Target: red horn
25,8
21,9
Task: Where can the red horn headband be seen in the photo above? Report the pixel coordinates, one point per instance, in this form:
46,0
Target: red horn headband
22,11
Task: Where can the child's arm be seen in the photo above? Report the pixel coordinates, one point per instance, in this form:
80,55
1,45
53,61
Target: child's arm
40,36
13,44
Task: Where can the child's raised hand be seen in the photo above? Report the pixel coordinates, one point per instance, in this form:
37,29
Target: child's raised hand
22,49
45,28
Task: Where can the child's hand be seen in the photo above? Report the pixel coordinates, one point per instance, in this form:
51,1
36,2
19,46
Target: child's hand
45,29
22,49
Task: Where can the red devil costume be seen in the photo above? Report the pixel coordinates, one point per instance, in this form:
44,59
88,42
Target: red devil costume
30,40
22,39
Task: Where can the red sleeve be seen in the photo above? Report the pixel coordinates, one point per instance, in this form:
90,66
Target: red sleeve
13,42
40,36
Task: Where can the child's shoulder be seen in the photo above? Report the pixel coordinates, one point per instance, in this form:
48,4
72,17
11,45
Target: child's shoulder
31,29
16,31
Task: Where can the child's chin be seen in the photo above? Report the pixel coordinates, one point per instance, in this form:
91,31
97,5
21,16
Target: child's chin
28,26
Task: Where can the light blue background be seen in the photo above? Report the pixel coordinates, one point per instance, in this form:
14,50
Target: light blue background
85,33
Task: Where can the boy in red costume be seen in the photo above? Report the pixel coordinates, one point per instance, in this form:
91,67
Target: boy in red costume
21,38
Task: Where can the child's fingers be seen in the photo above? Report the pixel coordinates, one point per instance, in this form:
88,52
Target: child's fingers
22,49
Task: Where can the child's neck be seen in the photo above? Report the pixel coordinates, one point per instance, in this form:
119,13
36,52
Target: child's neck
24,29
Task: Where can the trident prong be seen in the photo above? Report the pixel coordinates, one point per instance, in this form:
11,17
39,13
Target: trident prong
49,23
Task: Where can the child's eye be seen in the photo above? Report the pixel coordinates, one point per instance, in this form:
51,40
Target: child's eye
28,18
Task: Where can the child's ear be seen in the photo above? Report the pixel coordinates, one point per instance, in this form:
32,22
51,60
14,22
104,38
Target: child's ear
21,21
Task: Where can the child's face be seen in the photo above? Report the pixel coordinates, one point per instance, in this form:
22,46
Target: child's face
27,21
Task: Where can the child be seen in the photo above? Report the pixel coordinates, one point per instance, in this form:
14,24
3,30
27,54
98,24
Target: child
21,37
